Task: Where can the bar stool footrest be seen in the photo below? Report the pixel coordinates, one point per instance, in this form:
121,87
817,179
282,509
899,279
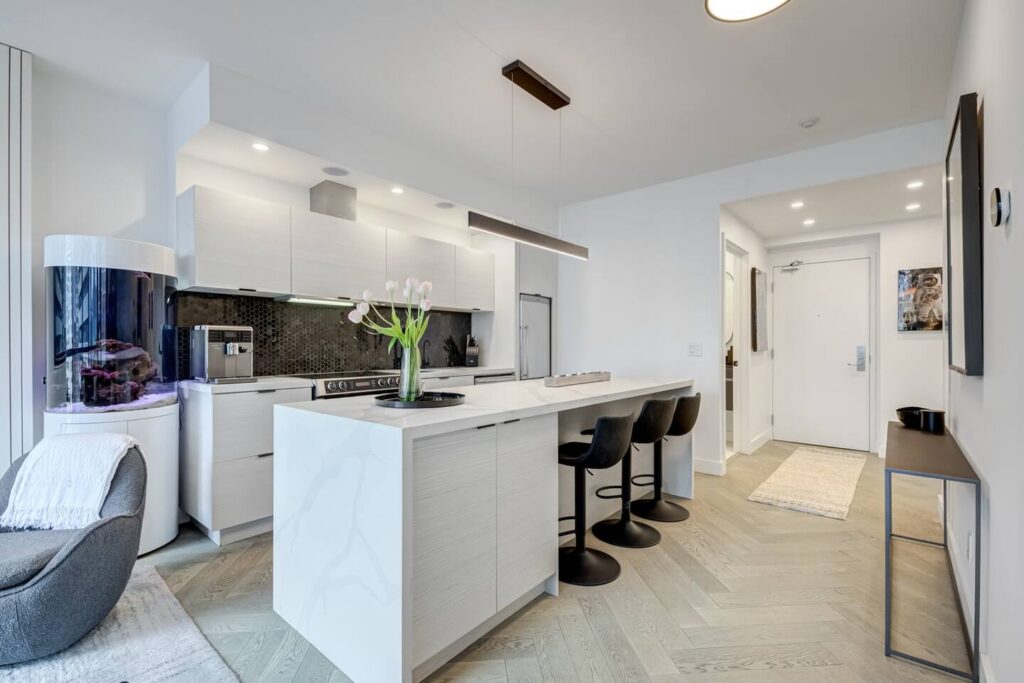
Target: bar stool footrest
650,479
600,493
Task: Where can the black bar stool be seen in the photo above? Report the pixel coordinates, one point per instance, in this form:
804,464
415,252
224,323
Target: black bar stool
578,564
655,508
650,427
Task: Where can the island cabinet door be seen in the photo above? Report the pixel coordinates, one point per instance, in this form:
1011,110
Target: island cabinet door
527,505
454,538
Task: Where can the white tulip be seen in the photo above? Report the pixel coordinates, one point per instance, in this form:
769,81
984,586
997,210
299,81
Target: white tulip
425,287
367,295
355,316
426,305
390,286
406,292
363,308
411,283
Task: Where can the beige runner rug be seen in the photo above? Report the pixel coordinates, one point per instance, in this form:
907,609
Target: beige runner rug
820,481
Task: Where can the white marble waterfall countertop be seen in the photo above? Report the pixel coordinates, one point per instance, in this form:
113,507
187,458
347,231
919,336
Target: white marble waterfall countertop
490,403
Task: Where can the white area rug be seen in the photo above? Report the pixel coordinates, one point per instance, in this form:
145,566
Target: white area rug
146,637
820,481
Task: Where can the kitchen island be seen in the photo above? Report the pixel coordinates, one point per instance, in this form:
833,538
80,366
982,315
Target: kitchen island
401,536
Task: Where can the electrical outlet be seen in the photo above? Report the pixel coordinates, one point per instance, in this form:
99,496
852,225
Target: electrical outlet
696,349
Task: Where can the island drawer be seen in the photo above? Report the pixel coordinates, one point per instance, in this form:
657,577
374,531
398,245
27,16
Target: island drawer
243,423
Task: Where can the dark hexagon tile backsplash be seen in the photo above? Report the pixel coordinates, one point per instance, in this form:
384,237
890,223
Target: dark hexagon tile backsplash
297,339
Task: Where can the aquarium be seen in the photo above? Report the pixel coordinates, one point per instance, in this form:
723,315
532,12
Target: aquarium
110,343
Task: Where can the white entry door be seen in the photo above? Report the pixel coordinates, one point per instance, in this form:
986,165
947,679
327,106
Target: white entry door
821,379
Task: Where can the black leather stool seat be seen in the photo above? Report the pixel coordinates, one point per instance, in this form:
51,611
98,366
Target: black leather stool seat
683,420
650,427
578,564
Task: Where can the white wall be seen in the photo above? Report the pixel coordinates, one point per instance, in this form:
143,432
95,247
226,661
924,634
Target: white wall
653,282
909,365
756,378
984,411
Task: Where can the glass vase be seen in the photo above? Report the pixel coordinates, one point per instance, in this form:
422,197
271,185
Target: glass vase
409,381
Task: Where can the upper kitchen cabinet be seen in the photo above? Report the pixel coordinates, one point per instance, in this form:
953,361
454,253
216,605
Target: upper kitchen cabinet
423,259
229,242
336,257
538,270
474,279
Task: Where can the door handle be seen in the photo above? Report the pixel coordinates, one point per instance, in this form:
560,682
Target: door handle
524,366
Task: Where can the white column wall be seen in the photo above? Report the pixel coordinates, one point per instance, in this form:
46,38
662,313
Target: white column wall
16,421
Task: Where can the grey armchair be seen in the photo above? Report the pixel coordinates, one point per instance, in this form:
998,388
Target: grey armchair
56,586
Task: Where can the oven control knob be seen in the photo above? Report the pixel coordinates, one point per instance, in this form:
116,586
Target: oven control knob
331,386
342,386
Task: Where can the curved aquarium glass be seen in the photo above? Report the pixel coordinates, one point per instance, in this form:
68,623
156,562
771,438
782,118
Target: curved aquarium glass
110,343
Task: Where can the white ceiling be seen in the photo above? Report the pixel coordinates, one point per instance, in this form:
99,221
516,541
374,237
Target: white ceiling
864,201
659,90
232,148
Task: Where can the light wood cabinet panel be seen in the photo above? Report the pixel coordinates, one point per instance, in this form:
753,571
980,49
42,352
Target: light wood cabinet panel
454,539
423,259
243,423
228,242
335,257
474,279
243,491
527,505
538,270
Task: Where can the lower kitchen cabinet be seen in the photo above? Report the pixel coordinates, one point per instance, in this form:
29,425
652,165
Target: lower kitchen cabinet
227,444
485,509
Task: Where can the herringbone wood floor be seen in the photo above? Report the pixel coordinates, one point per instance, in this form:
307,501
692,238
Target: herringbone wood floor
740,592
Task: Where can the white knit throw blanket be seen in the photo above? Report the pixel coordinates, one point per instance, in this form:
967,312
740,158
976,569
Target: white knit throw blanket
64,481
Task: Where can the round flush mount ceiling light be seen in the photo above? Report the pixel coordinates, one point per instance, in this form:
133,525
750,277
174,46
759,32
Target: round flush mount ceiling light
261,146
741,10
913,207
796,205
809,222
445,205
397,190
809,123
915,184
336,171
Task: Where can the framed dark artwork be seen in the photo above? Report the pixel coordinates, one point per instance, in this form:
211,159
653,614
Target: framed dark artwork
964,295
919,300
758,310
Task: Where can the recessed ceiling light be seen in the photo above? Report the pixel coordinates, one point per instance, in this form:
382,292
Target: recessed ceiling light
809,221
336,171
445,205
261,146
913,207
741,10
915,184
810,123
949,178
796,205
397,190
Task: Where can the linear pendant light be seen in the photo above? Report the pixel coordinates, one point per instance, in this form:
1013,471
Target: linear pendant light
526,236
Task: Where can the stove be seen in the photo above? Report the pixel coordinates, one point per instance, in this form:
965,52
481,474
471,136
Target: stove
352,383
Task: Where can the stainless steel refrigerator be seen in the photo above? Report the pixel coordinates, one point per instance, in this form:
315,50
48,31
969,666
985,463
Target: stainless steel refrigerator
534,336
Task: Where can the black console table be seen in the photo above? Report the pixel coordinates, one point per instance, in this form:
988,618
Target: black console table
937,456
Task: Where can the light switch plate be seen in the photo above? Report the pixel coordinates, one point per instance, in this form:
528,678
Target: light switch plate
696,349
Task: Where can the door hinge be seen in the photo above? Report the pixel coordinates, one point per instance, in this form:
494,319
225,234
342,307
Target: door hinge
771,287
771,419
771,353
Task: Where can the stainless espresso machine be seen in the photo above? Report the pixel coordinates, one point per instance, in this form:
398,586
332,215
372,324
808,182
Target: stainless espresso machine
221,353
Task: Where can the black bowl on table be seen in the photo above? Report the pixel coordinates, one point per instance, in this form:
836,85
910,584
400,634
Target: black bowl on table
910,416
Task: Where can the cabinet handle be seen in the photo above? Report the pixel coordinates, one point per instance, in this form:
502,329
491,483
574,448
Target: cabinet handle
508,422
265,455
246,289
265,391
485,426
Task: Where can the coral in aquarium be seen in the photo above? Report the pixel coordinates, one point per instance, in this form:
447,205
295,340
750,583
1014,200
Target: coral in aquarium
114,372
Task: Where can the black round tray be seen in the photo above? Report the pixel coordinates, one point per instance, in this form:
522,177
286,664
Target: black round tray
428,399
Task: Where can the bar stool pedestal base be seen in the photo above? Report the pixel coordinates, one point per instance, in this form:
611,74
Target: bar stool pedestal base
586,567
626,533
659,510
